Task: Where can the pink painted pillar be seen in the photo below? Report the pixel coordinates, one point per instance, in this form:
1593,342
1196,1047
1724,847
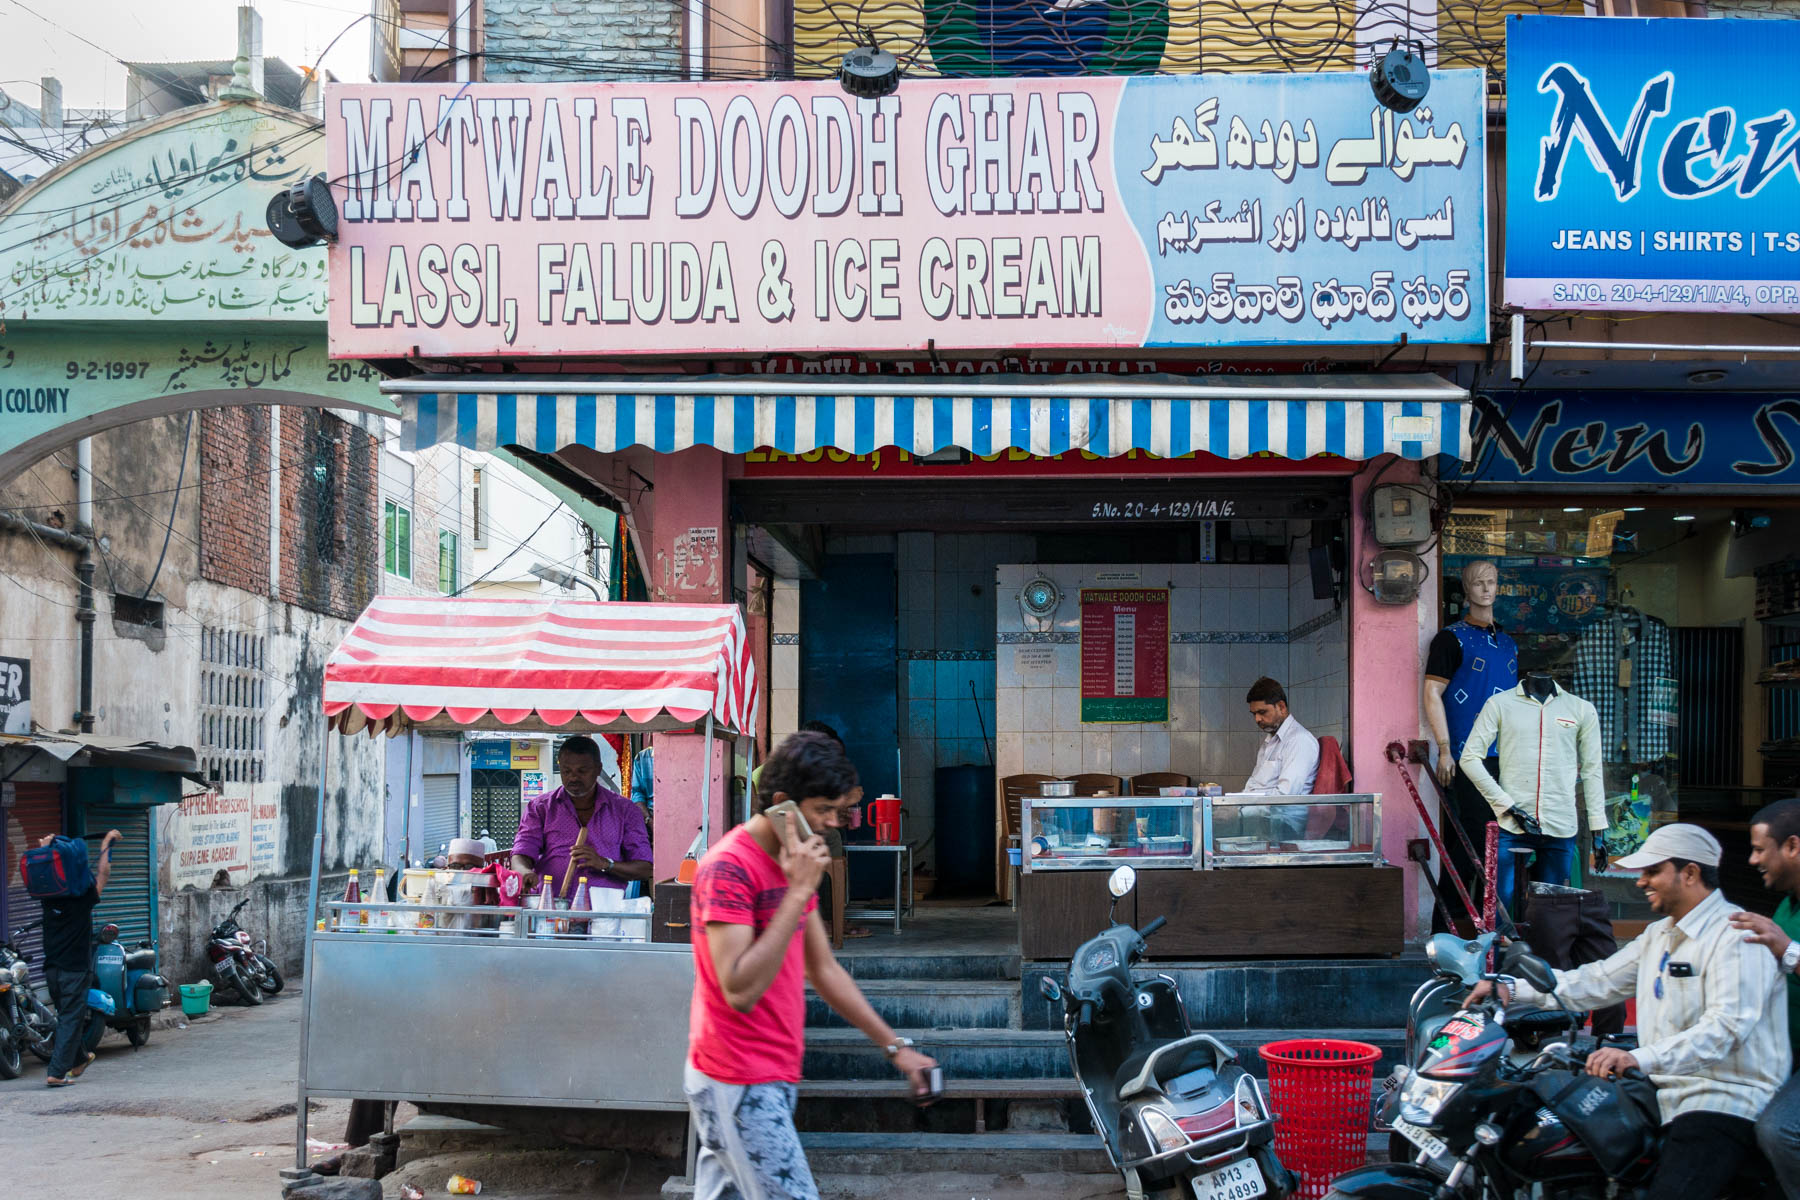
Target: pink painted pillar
689,561
1386,657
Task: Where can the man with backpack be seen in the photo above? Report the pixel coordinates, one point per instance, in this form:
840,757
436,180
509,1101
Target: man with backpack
68,961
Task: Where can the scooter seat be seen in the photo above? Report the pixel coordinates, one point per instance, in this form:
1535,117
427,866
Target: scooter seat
1159,1064
140,960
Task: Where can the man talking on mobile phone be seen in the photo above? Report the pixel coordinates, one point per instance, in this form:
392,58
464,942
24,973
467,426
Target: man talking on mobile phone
758,940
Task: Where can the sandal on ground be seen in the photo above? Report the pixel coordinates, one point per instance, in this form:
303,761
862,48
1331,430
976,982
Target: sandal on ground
53,1081
855,931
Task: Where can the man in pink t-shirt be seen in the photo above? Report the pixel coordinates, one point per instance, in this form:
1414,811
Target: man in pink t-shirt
758,941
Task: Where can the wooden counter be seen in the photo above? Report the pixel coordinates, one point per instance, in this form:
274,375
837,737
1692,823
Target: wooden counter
1250,912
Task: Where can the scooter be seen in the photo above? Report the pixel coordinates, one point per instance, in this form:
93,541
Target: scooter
240,961
1457,965
1179,1117
1498,1105
26,1023
126,989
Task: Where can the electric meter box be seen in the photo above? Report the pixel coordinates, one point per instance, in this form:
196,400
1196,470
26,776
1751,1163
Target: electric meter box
1402,515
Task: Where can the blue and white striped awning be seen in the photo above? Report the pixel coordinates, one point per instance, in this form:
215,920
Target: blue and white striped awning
1295,416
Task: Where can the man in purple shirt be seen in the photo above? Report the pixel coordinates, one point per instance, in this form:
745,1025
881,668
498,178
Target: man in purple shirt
617,849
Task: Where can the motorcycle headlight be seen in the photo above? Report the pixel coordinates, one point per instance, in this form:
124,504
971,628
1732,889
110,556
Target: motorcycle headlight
1422,1099
21,974
1161,1130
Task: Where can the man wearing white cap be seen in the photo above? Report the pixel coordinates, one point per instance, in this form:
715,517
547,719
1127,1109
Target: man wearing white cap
1712,1018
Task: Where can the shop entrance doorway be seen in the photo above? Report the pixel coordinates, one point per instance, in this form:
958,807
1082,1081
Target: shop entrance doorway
849,680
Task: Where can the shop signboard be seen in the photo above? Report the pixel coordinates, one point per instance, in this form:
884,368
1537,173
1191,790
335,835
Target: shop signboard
506,754
1633,440
15,695
894,463
606,219
1651,165
1124,655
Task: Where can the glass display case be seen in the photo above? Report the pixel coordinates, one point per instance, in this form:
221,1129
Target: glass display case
1091,832
1285,831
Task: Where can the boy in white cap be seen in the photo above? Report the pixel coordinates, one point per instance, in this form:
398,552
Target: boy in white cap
1712,1016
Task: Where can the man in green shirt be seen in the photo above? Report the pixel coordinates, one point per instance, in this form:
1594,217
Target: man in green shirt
1775,851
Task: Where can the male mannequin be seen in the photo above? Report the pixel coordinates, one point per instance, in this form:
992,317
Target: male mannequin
1470,660
1550,748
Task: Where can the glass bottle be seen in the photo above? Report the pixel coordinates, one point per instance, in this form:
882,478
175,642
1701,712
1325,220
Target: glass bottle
382,918
582,903
352,895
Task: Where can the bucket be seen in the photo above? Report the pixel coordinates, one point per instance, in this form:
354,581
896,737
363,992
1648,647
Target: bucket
196,998
884,815
1321,1095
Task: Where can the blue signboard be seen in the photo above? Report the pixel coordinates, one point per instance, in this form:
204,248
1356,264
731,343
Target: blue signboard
1604,440
1285,208
490,754
1652,165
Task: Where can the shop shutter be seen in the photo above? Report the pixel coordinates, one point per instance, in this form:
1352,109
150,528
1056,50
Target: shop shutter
440,817
130,897
36,810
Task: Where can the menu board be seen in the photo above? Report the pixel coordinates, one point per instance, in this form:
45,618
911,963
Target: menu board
1124,655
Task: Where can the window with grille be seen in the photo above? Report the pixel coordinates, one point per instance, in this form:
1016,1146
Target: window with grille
396,539
478,530
324,492
447,573
233,691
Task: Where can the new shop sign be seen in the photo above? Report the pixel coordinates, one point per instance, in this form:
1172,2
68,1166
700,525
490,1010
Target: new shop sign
1597,439
606,219
1652,165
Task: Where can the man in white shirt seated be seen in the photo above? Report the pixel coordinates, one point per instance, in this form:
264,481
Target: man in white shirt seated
1287,763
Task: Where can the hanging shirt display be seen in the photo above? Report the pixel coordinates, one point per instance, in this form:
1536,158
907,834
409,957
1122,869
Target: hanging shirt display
1476,662
1625,667
1544,749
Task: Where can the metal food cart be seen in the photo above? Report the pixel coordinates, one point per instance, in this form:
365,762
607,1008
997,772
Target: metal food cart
554,1019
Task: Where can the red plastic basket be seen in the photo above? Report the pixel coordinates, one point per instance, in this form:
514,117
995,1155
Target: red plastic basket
1320,1090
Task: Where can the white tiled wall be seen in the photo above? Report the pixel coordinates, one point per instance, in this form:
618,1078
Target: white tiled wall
1229,624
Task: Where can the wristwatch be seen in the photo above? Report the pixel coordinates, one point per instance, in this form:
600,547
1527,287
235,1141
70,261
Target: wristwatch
1790,958
893,1048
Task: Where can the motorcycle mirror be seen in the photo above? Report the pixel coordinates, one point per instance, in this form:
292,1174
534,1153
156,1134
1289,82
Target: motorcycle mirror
1531,969
1049,987
1123,880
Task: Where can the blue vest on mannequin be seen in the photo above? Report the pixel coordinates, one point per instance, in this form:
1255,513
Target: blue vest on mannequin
1490,664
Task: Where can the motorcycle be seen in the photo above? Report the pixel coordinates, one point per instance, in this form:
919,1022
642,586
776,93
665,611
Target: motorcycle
26,1022
126,989
1178,1116
241,962
1497,1105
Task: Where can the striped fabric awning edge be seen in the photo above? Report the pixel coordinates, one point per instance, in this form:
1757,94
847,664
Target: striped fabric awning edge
512,663
1355,417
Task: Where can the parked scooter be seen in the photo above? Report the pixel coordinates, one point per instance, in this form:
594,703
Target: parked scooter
26,1023
241,962
1178,1116
1497,1105
126,988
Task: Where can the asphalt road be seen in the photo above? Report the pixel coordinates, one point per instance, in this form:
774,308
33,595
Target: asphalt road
204,1113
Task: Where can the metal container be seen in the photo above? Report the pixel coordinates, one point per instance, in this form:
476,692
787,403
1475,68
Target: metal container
1057,789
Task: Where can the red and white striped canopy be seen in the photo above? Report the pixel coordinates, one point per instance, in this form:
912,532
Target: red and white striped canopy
469,662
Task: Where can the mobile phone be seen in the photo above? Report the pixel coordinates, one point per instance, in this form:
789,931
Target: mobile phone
778,815
934,1088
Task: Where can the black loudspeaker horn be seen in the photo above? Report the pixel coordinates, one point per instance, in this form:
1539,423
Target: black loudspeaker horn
1399,77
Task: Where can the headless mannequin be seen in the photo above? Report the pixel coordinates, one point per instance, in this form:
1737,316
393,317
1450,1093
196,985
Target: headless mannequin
1540,687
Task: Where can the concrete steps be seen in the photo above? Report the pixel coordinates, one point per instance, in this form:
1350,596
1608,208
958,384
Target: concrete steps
896,1154
1024,1054
867,966
930,1004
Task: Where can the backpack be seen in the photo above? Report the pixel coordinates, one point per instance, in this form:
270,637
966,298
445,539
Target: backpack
57,870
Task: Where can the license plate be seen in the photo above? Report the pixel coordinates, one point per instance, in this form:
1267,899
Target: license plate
1430,1143
1239,1181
